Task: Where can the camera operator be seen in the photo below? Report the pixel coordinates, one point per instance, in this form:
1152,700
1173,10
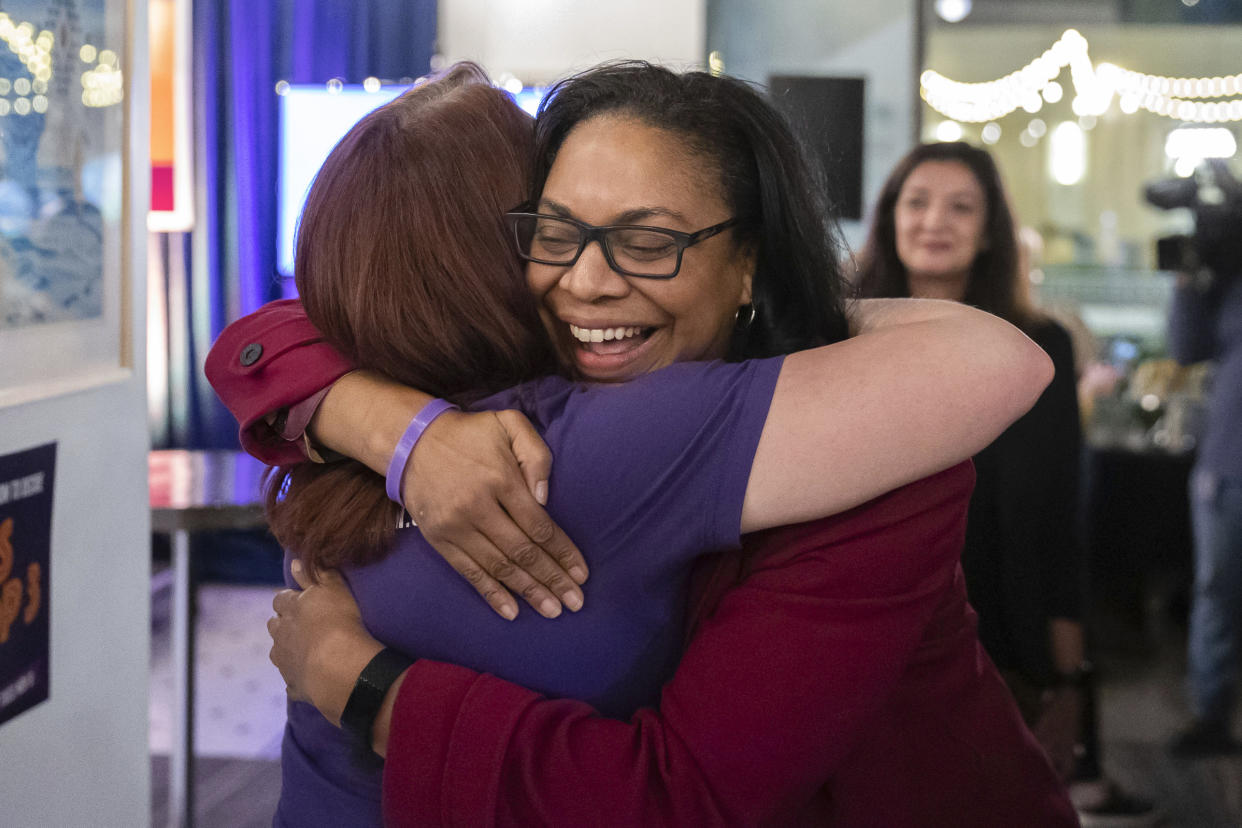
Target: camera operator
1205,323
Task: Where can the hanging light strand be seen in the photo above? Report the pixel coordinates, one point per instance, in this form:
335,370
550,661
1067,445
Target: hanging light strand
1095,88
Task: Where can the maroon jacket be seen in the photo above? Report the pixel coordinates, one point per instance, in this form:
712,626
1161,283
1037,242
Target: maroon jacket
833,676
265,362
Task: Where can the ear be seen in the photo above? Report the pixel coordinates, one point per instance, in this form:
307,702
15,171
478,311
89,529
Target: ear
746,262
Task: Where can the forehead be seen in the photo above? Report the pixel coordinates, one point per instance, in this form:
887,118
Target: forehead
952,178
611,164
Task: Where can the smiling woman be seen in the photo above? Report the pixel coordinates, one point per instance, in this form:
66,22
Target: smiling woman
940,215
700,444
943,228
613,169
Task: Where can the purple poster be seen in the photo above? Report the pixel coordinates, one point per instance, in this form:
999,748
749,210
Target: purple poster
25,558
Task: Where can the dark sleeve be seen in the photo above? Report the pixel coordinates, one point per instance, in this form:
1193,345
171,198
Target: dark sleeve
1038,466
777,686
1192,323
266,362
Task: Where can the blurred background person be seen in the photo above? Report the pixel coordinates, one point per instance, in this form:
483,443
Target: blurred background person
943,228
1205,323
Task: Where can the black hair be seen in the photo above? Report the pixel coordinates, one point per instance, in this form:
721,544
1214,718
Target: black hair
768,180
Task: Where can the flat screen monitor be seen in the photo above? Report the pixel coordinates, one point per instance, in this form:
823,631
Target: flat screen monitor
313,118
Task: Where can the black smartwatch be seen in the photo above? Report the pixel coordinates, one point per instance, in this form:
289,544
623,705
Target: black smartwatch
367,698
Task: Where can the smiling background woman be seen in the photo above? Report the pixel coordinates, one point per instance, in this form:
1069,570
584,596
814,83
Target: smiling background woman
943,229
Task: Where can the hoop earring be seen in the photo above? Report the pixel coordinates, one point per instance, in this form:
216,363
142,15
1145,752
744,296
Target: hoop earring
750,319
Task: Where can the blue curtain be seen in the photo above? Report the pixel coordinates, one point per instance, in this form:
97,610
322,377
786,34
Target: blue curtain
226,267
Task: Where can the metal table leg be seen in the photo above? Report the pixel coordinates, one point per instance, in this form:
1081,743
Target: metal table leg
181,760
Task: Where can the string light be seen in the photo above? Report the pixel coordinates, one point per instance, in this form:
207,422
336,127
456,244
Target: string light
102,83
34,52
1094,87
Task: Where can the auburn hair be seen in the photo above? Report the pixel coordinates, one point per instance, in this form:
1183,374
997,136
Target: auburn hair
404,264
996,282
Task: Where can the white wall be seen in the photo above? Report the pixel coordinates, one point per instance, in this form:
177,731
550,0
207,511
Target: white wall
542,40
875,40
80,758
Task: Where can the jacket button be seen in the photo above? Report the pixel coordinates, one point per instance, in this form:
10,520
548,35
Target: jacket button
251,353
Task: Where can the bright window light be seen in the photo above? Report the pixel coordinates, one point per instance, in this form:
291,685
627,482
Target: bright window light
1186,166
948,131
1067,153
1200,142
953,11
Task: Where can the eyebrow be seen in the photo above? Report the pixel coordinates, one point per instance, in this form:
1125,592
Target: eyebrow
967,194
632,216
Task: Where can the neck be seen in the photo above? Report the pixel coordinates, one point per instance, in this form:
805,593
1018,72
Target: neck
938,286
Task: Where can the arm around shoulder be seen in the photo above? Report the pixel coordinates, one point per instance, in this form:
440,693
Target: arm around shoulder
924,385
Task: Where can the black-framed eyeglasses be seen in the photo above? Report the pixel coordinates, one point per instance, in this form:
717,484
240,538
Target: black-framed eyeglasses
630,249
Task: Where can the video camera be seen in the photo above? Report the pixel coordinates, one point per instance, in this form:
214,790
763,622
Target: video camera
1215,197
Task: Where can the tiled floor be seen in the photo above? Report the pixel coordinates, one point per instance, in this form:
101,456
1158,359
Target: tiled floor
240,705
1142,705
239,695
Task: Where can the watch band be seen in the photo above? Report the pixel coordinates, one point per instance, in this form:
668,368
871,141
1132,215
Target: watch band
369,690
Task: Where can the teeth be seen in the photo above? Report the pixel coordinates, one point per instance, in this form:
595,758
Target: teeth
602,334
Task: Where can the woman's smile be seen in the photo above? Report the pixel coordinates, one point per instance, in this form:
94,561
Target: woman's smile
939,225
608,352
614,170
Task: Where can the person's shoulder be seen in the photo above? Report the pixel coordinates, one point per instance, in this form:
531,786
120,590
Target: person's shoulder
709,372
903,512
685,387
538,399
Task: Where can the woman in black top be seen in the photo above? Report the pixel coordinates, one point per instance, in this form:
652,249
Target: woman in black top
943,228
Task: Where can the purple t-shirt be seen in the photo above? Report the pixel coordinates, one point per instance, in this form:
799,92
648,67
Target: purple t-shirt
646,477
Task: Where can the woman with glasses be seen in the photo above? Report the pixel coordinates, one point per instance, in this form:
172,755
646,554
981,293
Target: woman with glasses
832,669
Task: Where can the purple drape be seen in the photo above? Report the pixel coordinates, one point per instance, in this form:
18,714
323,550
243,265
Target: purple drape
241,49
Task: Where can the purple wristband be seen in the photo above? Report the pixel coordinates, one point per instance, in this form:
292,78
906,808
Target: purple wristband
405,446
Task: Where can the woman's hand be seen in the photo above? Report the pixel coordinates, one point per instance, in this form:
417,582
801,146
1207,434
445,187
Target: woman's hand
475,486
319,643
